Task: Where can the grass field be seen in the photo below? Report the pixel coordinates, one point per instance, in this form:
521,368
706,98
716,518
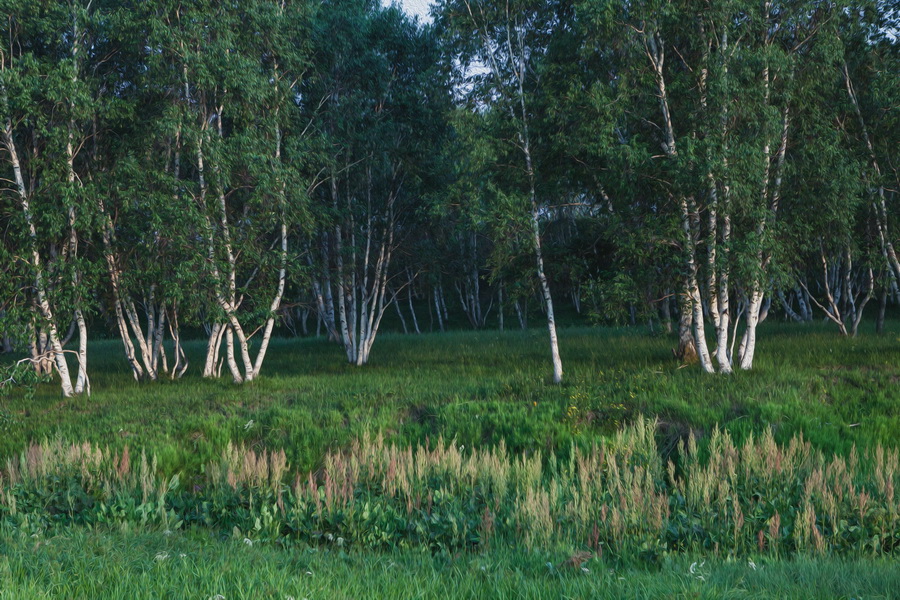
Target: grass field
113,566
479,389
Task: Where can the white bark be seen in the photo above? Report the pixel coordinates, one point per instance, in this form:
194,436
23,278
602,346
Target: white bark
655,49
849,319
112,268
48,321
880,205
219,242
522,313
409,296
517,55
437,309
689,219
181,361
213,345
788,309
773,198
82,384
748,342
719,264
322,292
400,314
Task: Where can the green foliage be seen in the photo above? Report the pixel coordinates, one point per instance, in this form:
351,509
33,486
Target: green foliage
19,378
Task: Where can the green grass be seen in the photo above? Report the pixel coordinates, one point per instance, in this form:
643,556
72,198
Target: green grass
478,388
114,565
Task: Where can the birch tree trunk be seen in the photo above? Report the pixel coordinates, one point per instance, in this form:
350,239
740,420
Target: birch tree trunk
409,295
437,309
879,202
47,318
882,306
689,219
219,243
517,59
82,384
213,345
693,302
719,263
524,139
114,276
748,343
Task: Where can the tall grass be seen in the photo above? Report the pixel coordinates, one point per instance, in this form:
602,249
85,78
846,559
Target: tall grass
619,498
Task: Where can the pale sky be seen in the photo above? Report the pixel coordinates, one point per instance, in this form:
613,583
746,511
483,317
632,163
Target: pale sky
417,7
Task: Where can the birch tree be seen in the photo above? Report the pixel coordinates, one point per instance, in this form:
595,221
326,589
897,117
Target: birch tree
238,89
45,104
497,48
724,85
381,135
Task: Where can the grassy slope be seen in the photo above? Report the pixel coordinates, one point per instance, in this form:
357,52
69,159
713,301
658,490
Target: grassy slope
107,566
479,388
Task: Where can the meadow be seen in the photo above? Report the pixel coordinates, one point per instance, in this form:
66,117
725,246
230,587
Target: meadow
117,565
451,466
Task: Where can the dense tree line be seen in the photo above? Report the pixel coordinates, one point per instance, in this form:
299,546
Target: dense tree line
239,167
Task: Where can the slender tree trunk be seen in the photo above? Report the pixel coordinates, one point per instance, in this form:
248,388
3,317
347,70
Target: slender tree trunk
881,215
538,250
143,340
82,384
114,277
805,310
748,344
443,302
323,296
518,61
229,355
522,313
400,316
788,309
858,311
213,345
689,225
437,309
666,312
692,301
545,289
720,262
43,302
832,310
409,295
181,362
687,349
275,305
882,306
723,357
